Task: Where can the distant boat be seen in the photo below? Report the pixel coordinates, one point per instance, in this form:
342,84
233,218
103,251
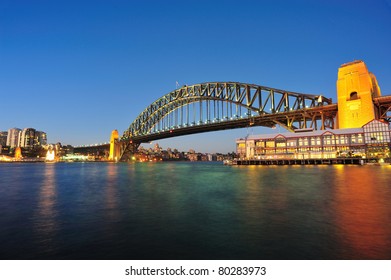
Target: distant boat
229,162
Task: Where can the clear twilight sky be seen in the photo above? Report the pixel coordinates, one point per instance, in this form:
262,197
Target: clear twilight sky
79,69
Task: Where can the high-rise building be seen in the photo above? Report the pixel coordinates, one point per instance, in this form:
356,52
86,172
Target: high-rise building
40,138
13,137
27,138
3,138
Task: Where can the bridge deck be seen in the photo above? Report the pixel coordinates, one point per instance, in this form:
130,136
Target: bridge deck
267,120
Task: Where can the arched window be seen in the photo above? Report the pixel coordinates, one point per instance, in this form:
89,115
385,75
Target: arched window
353,95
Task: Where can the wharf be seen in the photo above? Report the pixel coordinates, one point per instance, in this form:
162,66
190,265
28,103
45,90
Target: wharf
356,161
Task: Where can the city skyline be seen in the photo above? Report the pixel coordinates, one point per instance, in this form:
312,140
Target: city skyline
80,70
26,138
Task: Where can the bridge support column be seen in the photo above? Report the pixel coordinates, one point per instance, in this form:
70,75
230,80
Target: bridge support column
128,150
356,88
115,146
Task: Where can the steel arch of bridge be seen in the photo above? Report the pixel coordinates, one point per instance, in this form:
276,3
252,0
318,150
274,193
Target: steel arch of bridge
224,105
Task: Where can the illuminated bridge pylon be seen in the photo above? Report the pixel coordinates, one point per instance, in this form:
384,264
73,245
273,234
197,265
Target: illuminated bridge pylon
226,105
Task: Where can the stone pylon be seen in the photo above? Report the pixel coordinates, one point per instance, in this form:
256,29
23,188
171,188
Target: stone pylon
356,88
115,146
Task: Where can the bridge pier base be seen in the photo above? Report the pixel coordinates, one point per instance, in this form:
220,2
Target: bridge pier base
121,150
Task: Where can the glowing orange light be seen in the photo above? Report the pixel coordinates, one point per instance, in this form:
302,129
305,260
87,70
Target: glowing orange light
18,153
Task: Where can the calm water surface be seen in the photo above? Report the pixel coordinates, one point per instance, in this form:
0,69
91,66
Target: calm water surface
194,211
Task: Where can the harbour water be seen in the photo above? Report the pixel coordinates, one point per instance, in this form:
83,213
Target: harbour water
194,211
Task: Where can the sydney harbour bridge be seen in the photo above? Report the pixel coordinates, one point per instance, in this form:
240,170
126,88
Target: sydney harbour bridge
217,106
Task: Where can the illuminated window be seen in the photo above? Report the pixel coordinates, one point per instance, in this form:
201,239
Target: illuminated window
329,140
260,144
292,143
280,142
270,144
303,141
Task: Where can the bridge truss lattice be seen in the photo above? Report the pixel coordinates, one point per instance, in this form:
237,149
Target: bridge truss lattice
224,105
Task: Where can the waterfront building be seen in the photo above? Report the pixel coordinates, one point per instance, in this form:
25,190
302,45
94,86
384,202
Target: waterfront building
13,137
27,138
212,157
68,149
4,149
59,149
157,148
40,138
370,141
194,156
3,138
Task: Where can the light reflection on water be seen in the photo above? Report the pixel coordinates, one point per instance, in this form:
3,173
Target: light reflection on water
194,211
363,211
111,192
45,216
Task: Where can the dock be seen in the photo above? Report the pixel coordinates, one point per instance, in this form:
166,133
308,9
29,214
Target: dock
355,161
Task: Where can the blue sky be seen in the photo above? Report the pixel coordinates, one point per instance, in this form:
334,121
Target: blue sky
79,69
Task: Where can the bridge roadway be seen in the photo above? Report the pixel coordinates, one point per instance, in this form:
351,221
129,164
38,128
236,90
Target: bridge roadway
97,150
267,120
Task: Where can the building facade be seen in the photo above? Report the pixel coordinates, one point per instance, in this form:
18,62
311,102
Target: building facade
40,138
3,138
27,138
370,141
13,137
